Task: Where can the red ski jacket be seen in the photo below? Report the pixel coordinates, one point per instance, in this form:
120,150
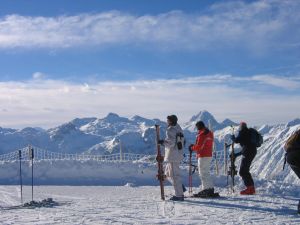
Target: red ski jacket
204,143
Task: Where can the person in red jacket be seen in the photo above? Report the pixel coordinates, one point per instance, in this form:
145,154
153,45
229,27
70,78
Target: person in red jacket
203,148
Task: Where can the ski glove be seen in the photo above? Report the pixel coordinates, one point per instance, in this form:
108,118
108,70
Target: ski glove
160,142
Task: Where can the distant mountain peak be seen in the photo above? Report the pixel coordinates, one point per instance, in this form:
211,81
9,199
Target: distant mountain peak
113,118
293,122
79,122
112,115
137,117
204,116
228,122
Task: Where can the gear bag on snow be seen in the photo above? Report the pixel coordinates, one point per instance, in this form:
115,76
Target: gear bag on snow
180,142
293,142
255,137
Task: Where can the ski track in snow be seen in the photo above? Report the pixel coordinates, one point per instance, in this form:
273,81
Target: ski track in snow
141,205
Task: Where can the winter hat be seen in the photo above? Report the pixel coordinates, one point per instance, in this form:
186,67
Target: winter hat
243,124
200,125
173,119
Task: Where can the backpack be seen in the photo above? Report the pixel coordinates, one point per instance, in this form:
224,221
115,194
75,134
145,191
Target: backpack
255,137
180,141
293,142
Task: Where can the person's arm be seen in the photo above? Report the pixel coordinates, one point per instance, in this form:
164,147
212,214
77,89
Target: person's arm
238,139
199,143
170,140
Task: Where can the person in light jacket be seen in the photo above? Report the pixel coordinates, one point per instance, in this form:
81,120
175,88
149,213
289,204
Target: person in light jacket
173,157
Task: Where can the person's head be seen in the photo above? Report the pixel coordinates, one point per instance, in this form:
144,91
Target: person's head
172,120
200,125
243,125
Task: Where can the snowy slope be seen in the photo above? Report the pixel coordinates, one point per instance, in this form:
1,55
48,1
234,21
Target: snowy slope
270,157
141,205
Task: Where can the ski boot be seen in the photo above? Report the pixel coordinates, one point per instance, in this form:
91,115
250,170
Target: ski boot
250,190
177,199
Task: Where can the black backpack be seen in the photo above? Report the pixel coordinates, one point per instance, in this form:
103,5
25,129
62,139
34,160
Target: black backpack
255,137
180,141
293,142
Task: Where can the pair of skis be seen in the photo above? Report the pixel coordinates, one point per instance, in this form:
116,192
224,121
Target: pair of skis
31,156
160,159
232,172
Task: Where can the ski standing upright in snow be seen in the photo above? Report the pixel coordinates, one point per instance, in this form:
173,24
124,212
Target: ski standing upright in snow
214,150
31,156
159,158
232,168
190,174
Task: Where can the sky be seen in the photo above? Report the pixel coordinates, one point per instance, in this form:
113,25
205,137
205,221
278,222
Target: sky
64,59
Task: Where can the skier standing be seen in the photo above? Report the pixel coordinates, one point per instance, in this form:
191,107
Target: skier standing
204,147
173,156
292,148
248,152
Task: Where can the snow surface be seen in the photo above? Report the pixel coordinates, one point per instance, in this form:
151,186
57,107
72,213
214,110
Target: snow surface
142,205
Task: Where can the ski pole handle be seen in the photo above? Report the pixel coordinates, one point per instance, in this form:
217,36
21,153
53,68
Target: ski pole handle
31,153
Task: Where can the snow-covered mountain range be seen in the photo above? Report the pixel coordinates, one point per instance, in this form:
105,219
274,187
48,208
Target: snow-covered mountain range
134,135
137,135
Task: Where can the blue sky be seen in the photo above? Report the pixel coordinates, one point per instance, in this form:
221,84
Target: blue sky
246,53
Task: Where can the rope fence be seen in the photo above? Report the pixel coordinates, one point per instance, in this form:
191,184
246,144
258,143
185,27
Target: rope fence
45,155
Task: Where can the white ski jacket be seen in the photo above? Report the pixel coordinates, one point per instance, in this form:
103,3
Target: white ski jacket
172,154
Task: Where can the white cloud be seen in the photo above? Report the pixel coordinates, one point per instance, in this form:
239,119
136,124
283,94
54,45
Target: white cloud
38,75
283,82
51,102
256,26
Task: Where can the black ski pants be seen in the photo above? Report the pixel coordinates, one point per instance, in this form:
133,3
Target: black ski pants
244,172
293,159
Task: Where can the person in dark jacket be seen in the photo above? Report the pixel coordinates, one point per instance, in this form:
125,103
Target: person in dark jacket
292,148
248,153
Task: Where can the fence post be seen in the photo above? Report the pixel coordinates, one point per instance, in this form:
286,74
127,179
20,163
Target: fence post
121,158
225,160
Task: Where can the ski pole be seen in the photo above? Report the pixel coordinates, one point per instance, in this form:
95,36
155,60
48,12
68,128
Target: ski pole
232,169
225,160
214,150
31,155
190,174
20,173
